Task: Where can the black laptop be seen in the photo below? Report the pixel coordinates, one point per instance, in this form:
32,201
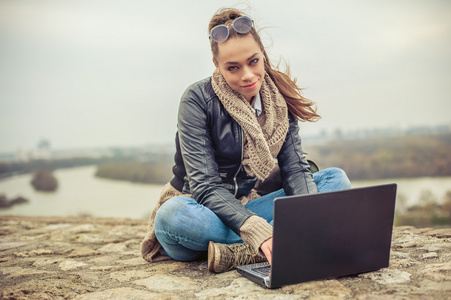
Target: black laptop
327,235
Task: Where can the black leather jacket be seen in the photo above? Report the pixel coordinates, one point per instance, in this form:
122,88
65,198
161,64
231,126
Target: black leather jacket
209,146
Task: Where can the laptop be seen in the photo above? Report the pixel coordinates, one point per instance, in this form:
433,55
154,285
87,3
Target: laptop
328,235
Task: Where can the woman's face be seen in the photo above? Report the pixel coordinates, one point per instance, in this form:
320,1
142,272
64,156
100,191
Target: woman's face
240,61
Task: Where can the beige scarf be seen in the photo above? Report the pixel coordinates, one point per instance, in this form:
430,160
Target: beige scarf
263,136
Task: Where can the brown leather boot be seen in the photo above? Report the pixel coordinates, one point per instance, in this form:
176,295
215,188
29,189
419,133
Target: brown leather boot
223,257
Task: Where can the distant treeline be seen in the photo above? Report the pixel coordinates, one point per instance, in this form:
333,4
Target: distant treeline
156,171
8,169
376,158
387,157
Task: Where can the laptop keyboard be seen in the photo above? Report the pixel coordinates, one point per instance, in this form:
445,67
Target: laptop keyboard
266,271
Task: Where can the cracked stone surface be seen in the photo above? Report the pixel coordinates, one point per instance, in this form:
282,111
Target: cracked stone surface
99,258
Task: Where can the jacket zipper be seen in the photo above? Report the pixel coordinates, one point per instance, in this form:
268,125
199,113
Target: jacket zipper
239,168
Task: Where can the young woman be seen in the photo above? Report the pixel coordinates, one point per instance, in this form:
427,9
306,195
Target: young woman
237,149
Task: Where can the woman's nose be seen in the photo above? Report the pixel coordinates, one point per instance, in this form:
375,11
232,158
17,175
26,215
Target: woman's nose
247,74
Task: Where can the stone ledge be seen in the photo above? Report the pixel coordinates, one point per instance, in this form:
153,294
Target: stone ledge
99,258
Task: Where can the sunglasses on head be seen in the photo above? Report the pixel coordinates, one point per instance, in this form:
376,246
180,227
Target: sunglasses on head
220,33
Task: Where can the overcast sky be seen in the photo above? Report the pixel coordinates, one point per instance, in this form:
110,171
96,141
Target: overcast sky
87,73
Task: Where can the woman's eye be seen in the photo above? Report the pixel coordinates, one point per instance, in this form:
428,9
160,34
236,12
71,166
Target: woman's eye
233,68
254,61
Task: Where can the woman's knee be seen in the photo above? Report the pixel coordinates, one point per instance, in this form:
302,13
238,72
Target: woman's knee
184,215
170,211
341,178
182,219
332,179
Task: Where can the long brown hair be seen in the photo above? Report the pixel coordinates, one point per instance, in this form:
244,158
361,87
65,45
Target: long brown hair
301,108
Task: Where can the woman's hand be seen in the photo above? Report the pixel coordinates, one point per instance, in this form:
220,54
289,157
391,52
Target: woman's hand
266,247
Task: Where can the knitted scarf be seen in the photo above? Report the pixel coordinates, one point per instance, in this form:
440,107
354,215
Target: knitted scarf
263,137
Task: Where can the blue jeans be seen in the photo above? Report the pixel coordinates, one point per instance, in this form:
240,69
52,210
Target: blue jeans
184,227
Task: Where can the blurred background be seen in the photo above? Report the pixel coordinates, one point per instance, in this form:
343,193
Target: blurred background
89,92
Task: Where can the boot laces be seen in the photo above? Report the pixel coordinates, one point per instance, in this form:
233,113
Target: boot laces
244,255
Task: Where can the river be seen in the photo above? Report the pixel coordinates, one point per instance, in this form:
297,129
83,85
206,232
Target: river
81,193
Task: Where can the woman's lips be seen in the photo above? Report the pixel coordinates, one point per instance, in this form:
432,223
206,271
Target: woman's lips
250,86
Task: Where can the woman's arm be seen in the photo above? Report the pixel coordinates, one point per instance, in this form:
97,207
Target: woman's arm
295,171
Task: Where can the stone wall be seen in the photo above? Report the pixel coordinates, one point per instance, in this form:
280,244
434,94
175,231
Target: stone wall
93,258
